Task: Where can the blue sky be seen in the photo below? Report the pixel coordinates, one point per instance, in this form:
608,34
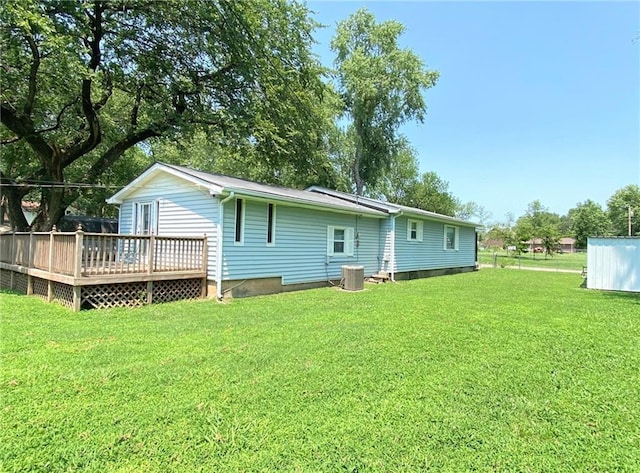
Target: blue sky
536,100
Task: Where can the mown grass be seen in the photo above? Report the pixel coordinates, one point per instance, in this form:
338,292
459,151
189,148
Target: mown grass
497,370
563,261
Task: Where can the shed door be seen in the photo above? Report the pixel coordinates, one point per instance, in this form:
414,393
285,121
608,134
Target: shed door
146,217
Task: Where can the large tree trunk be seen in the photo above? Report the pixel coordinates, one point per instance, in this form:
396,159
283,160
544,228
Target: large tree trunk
357,178
14,208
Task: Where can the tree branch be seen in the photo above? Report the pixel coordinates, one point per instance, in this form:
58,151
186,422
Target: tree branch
117,150
95,132
106,94
136,107
58,118
23,127
8,141
33,72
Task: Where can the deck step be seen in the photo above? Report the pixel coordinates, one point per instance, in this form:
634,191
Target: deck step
379,277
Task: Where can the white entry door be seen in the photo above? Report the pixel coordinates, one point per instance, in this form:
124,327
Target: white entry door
145,218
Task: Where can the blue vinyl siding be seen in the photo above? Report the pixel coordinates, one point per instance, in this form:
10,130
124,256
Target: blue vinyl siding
386,243
183,210
300,250
430,253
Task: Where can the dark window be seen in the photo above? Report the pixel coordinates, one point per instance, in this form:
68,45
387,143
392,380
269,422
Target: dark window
338,241
239,204
270,223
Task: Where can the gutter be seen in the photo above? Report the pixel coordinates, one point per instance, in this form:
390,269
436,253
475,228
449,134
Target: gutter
220,237
392,257
305,203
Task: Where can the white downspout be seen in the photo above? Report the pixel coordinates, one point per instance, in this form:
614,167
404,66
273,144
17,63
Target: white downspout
392,273
219,246
392,256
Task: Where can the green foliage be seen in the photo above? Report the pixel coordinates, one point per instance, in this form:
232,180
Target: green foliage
432,193
473,372
560,262
83,82
550,236
398,182
618,210
588,219
539,224
381,87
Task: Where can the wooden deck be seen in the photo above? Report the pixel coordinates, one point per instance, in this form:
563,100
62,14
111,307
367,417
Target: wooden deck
103,270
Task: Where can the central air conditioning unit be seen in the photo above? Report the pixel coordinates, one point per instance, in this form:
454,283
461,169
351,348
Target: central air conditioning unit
353,278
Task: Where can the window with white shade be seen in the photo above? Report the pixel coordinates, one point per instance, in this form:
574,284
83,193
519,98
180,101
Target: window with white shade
414,230
450,237
340,241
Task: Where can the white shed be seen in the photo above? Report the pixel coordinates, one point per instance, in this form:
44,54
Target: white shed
614,263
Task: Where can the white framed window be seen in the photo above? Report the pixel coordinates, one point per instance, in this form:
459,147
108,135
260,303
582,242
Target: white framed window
450,237
145,218
414,230
340,241
271,224
239,222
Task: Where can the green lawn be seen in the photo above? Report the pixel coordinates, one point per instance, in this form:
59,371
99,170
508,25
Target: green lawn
573,261
498,370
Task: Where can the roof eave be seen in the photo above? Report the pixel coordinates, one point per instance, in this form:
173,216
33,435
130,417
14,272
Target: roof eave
119,197
296,202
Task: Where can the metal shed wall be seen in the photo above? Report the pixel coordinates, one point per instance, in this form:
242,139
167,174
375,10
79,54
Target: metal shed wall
614,264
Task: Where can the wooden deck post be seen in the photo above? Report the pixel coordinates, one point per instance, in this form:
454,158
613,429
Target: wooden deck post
14,253
205,259
78,266
150,253
49,281
30,250
77,298
149,292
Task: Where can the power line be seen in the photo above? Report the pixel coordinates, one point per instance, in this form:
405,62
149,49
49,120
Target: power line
57,185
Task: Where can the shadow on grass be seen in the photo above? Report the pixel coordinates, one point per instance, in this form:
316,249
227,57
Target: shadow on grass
629,297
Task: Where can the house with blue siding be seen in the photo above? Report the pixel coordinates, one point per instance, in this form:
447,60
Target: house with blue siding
266,239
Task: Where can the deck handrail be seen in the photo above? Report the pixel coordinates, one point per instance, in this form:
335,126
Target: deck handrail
81,254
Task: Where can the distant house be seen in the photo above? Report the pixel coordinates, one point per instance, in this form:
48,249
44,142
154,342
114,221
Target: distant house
614,263
265,239
567,245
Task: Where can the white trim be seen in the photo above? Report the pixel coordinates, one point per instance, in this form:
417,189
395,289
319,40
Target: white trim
419,229
120,196
456,237
348,242
392,257
219,241
136,215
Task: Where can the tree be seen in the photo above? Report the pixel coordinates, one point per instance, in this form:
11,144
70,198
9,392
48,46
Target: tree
396,183
619,205
550,236
432,193
85,81
381,86
540,224
588,219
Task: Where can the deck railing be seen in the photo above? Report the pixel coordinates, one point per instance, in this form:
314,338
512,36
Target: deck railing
82,254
